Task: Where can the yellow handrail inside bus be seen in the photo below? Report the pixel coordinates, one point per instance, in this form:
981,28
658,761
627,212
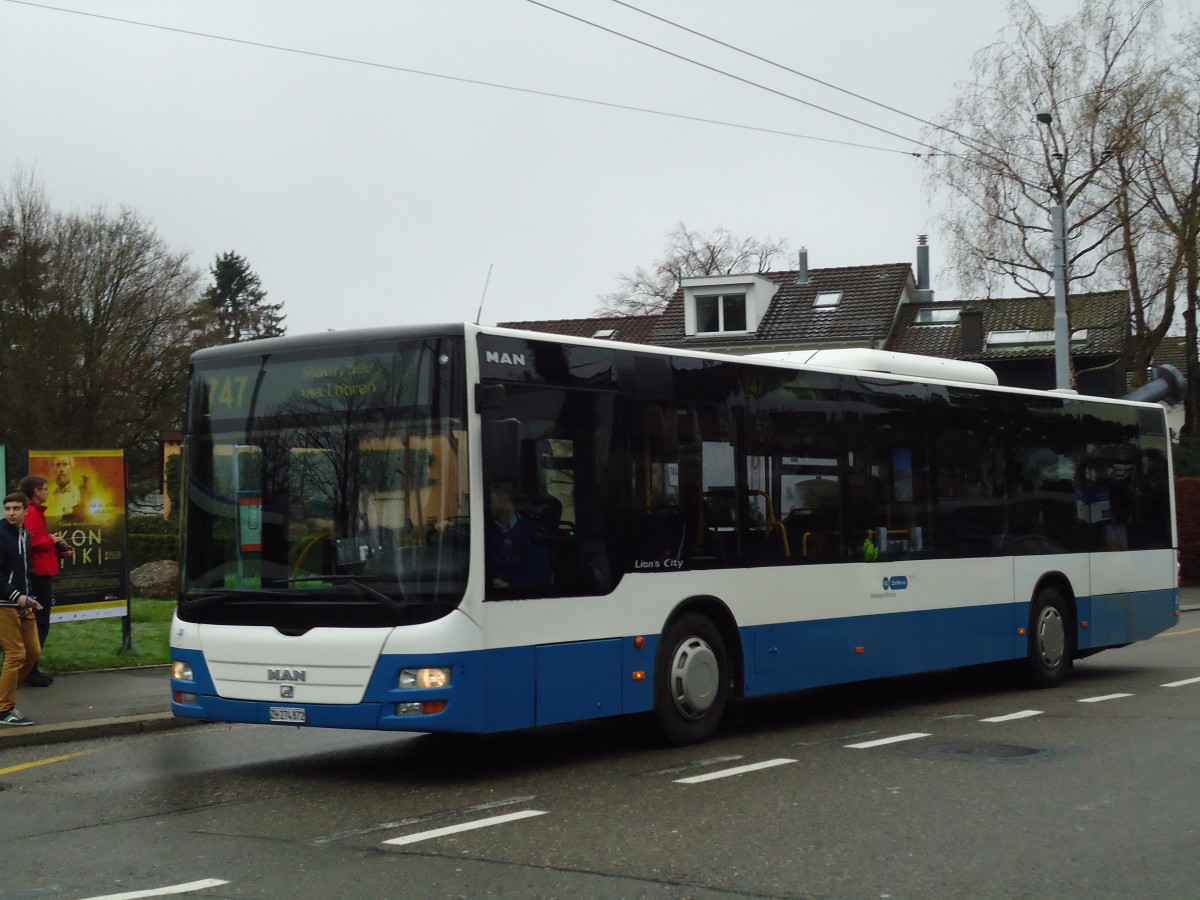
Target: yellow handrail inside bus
772,522
316,539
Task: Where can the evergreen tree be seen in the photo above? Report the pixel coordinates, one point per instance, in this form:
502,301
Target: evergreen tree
238,302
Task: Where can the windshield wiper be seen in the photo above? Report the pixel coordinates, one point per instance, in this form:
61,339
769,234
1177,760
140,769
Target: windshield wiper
202,600
359,581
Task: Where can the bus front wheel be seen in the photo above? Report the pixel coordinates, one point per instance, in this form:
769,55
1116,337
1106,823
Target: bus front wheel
1051,639
691,685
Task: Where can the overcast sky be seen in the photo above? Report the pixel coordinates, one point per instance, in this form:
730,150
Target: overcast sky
362,194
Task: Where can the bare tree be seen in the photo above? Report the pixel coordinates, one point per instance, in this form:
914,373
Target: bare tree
1063,114
1170,187
687,254
97,319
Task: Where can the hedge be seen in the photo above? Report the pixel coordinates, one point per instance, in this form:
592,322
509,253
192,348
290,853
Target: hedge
1187,518
152,538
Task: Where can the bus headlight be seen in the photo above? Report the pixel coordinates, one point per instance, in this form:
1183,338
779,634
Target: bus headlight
181,671
424,678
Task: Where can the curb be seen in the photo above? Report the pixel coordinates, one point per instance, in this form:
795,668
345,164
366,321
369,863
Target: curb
62,732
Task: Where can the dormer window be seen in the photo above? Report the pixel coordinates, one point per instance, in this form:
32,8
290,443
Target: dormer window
828,300
719,305
720,312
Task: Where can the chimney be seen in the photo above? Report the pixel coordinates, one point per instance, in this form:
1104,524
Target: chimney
802,276
971,328
923,293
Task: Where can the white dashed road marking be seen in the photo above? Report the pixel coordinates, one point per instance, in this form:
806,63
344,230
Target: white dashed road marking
1104,697
1181,683
164,891
1023,714
866,745
737,770
465,826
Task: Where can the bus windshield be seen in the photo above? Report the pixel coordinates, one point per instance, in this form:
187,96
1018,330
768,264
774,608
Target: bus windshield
322,488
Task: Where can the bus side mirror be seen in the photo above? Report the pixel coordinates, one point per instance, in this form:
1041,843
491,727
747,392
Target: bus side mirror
502,450
489,397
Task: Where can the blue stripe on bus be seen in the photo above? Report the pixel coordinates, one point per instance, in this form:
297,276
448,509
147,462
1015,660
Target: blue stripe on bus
1123,618
520,687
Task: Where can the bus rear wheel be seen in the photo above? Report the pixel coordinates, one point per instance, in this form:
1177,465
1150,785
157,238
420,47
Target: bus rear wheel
691,684
1051,639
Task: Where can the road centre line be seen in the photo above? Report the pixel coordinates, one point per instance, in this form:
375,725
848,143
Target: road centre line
43,762
866,745
736,770
164,891
465,826
1174,633
1101,699
1023,714
1181,683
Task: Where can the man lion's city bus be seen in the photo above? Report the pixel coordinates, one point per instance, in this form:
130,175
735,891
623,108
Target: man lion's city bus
471,529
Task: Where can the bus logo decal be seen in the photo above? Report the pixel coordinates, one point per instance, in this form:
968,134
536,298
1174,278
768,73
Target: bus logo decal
507,359
286,675
895,582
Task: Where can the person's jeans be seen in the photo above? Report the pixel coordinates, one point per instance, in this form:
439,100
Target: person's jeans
19,640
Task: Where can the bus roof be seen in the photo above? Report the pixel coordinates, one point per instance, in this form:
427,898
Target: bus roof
863,359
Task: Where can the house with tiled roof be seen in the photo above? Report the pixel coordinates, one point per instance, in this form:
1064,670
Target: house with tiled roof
882,307
630,329
1015,338
849,306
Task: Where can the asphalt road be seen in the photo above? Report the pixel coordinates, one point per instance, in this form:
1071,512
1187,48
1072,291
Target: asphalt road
958,784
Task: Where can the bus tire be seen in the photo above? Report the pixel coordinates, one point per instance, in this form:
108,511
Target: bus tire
1051,639
691,683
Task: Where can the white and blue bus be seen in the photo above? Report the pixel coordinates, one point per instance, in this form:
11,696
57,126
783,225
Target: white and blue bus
472,529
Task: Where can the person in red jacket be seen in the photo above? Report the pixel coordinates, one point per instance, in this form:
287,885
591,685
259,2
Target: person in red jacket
48,551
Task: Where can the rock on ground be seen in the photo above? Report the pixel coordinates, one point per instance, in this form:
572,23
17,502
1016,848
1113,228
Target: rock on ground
155,579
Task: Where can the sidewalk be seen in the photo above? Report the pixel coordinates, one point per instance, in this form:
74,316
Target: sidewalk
85,705
131,701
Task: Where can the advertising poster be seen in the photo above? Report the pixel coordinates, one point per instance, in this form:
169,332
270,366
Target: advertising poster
86,508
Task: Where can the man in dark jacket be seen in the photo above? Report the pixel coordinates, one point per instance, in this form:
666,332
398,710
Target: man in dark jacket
18,627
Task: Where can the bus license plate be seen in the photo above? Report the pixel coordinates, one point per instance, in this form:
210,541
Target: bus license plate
289,714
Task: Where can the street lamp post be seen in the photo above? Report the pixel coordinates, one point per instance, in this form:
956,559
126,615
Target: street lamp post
1058,225
1062,335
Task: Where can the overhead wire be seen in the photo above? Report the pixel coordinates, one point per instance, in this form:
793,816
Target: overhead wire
455,78
805,75
735,77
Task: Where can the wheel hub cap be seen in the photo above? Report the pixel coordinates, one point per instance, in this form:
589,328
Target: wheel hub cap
1051,637
694,674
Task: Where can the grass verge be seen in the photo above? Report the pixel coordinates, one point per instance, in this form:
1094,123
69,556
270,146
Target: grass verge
96,643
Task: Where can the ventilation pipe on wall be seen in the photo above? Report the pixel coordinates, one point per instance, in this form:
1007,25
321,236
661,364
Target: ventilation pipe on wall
1168,384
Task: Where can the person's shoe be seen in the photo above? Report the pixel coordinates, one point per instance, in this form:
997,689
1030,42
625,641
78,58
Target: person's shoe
12,717
39,679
